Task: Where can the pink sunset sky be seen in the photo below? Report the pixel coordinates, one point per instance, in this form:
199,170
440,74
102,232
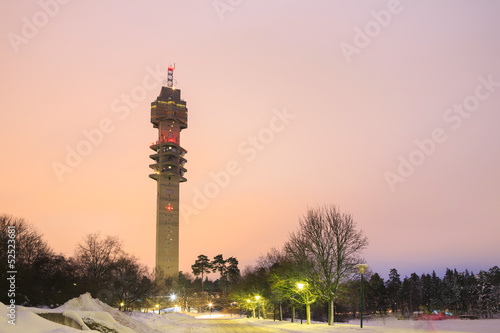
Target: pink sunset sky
388,109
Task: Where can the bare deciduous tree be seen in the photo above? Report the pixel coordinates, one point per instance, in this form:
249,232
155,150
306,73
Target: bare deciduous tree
25,255
327,246
97,256
30,244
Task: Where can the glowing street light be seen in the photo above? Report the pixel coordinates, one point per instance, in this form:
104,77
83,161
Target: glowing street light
173,297
158,307
362,268
258,308
121,305
210,306
301,287
248,308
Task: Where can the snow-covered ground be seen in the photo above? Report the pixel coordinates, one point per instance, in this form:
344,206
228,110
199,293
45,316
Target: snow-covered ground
83,308
392,325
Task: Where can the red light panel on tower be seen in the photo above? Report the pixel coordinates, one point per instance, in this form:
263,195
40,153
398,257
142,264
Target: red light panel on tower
169,208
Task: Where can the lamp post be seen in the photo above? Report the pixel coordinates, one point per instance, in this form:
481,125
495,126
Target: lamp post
361,268
121,306
158,307
233,305
258,308
173,297
248,308
300,286
210,306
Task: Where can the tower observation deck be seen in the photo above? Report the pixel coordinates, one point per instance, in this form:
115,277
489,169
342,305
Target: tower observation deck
169,115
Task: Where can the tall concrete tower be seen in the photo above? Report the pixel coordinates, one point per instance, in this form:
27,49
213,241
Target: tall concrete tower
169,115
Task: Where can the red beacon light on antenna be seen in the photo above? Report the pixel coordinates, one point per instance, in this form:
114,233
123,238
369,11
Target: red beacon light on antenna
169,208
170,76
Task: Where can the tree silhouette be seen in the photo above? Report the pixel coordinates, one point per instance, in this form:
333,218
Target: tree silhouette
201,266
219,264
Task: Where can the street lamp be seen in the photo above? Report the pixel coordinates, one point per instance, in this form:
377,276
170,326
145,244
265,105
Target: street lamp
158,307
248,308
300,286
361,268
258,308
172,298
121,305
210,306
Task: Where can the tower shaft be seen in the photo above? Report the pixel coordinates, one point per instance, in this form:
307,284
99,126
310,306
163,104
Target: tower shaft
169,115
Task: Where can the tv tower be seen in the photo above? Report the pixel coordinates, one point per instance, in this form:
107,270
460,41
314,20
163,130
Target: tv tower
169,115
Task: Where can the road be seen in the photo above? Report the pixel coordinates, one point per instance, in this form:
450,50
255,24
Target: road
225,326
238,325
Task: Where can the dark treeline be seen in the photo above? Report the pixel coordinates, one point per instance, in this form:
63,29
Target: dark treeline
460,293
295,281
101,267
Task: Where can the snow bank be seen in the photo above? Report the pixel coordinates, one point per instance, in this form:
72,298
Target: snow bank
80,309
73,315
29,322
87,307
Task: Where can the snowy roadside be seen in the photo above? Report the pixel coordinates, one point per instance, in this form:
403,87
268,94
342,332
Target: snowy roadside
390,325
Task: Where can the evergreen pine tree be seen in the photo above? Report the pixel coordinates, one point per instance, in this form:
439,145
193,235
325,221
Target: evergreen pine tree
393,286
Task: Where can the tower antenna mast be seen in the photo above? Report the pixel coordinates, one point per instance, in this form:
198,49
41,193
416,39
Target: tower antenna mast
170,76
